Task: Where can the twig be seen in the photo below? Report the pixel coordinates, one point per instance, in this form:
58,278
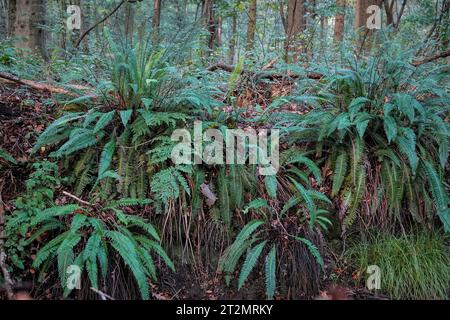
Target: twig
96,24
444,54
102,295
77,199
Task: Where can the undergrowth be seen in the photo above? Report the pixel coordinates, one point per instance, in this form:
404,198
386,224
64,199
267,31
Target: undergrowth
413,266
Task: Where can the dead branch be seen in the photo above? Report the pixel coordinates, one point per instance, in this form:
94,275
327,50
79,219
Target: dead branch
102,295
76,198
41,86
97,23
444,54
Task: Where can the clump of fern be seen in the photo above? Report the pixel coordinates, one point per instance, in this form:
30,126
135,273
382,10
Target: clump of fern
39,195
277,231
413,266
119,144
86,236
378,127
93,236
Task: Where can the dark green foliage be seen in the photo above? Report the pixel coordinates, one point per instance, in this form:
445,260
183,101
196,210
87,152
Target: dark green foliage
371,116
85,237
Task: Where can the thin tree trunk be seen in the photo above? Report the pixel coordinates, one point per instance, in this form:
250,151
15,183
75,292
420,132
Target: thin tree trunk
339,24
63,32
3,19
296,24
129,22
156,22
362,18
210,23
233,38
251,27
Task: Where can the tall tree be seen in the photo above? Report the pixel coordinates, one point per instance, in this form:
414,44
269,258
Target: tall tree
156,22
26,17
129,22
339,21
209,22
3,19
295,23
362,17
233,39
251,27
362,14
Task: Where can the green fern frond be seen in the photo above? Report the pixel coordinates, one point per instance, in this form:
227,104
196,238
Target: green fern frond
250,262
270,269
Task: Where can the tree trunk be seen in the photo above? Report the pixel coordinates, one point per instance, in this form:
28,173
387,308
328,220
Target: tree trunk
26,16
62,7
3,19
389,9
339,21
296,24
210,23
129,22
361,15
233,39
156,22
251,27
362,19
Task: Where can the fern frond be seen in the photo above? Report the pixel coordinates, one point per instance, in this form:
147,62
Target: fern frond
250,262
270,269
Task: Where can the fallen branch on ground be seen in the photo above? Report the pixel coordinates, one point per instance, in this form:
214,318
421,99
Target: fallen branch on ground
42,86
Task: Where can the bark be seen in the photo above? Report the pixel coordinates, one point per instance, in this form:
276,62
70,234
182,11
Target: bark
339,24
3,19
296,24
27,15
209,23
233,38
129,22
156,22
251,27
361,19
389,9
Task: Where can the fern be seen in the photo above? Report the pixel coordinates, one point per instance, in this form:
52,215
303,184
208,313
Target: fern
270,270
340,169
250,262
312,249
6,156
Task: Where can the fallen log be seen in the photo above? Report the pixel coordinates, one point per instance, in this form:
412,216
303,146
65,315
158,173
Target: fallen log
42,86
